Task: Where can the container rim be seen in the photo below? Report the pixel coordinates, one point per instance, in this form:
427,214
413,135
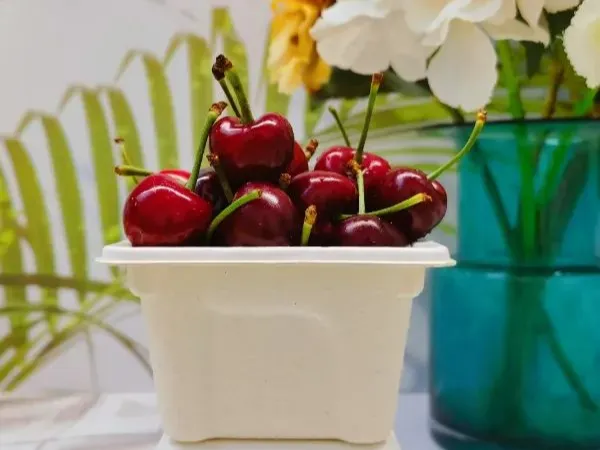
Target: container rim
424,254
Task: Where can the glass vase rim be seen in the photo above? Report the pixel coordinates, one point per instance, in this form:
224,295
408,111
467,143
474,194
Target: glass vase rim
504,122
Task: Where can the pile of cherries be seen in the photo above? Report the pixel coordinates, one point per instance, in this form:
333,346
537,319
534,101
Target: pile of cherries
259,190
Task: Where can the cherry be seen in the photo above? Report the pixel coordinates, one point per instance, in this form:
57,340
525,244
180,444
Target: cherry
336,158
405,182
249,149
401,184
270,220
161,211
365,231
209,188
301,157
331,193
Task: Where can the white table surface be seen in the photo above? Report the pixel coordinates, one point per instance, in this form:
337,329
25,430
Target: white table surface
130,422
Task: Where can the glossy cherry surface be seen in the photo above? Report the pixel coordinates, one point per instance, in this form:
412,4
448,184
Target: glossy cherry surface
336,160
209,188
368,231
399,185
330,192
299,162
162,212
271,220
258,151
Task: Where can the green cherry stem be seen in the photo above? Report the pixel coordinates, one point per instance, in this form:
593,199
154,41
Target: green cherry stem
124,156
213,114
376,81
216,164
234,79
310,217
338,121
231,208
132,171
311,148
477,129
360,183
219,75
408,203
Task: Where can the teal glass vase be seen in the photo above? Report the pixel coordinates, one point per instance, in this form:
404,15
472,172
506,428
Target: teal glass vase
515,326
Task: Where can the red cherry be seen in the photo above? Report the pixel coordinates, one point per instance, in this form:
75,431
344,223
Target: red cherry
259,151
401,184
299,162
179,175
270,220
331,193
336,160
209,188
443,200
159,211
368,231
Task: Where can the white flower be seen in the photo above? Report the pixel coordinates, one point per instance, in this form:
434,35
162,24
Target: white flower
369,36
582,42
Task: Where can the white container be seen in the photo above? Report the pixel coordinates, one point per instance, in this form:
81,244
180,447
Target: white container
277,343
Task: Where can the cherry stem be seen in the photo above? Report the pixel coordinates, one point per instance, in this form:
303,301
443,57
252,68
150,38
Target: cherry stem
231,208
412,201
477,129
132,171
311,148
219,75
213,114
360,183
338,121
375,83
310,217
234,79
216,164
124,156
284,181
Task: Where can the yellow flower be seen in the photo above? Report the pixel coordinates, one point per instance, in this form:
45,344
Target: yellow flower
293,58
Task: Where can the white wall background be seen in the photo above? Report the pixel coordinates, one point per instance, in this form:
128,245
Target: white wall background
48,45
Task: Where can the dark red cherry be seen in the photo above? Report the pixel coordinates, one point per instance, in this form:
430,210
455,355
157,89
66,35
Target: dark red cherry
299,161
271,220
160,211
257,151
336,160
368,231
331,193
179,175
399,185
209,188
442,205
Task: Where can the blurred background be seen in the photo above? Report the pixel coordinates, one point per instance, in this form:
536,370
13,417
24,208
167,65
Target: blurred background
75,75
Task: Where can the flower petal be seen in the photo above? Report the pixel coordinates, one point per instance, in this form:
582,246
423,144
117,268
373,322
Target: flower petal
554,6
507,11
518,31
463,72
531,10
424,16
582,42
480,11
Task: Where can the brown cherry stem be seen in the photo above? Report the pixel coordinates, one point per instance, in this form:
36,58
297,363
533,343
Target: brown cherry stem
340,126
231,208
213,114
311,148
408,203
477,129
219,75
360,183
234,79
310,217
132,171
376,81
284,181
120,142
216,164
